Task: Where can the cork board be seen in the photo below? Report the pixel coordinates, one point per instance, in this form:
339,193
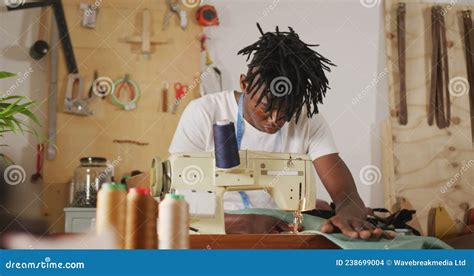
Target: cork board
426,167
101,49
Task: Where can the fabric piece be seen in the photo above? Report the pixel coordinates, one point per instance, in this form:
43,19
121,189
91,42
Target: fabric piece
312,224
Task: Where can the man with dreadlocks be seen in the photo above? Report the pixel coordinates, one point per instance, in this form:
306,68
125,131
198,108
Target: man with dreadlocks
277,111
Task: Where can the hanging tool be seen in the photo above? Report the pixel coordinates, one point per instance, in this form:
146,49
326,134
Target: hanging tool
89,15
203,38
175,7
206,15
39,163
179,91
145,39
469,49
40,48
53,91
71,105
165,92
439,72
74,101
208,82
402,104
126,85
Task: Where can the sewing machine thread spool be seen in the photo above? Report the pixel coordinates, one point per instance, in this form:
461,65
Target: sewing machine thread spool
225,145
111,208
173,226
142,212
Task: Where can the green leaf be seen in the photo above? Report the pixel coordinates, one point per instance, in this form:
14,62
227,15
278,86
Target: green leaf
6,74
11,106
11,110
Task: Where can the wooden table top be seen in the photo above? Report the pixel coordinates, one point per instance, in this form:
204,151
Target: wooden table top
252,241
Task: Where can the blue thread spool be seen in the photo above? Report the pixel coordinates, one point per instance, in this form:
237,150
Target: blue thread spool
225,145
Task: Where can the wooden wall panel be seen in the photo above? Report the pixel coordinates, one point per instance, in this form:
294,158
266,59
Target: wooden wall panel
101,49
426,158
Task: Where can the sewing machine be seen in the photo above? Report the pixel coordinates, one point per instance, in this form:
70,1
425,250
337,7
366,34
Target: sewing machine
287,178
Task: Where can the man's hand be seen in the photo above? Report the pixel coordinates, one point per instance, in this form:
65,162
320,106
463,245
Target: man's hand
351,215
351,219
254,224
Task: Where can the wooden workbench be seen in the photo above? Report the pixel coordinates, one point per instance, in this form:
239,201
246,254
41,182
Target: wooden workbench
252,241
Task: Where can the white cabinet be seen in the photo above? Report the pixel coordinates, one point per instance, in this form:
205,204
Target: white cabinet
79,220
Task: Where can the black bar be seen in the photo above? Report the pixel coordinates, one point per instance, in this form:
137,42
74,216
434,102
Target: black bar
64,37
62,28
30,5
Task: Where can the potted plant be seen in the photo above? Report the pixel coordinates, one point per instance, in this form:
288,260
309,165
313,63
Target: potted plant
15,113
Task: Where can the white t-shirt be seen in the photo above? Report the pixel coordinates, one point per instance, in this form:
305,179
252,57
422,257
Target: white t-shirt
194,133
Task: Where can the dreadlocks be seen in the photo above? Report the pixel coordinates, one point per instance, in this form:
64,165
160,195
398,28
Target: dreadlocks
294,73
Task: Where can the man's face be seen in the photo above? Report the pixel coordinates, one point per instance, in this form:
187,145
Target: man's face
269,122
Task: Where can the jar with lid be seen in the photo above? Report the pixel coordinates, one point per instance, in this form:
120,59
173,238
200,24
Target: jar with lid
88,178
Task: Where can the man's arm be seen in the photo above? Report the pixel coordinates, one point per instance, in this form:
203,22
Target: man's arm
351,214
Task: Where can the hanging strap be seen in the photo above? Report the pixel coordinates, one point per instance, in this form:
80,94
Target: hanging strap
469,48
434,67
445,67
402,104
440,105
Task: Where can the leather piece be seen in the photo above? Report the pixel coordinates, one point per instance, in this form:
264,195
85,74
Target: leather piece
401,34
469,49
439,102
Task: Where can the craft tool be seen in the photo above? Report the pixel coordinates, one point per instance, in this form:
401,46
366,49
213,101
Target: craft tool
145,38
206,15
131,87
40,48
174,7
74,101
89,15
164,93
39,163
180,91
208,66
52,97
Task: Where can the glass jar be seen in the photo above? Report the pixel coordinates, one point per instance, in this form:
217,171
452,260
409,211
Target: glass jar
87,180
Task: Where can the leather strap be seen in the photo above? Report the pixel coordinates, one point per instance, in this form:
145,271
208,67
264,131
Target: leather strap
402,104
439,92
469,48
440,104
434,67
444,54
